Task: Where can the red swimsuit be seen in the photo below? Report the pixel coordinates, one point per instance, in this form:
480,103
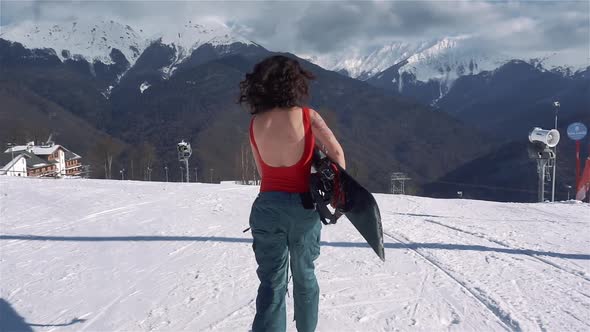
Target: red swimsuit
292,179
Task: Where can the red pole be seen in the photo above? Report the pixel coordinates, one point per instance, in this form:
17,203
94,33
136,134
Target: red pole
577,164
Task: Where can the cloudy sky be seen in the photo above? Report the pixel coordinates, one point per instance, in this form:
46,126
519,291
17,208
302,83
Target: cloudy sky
325,27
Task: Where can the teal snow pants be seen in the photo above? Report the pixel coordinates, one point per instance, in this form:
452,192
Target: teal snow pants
282,227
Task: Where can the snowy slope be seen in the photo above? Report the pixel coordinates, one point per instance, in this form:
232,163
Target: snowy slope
92,255
94,39
442,60
191,35
448,59
362,66
435,59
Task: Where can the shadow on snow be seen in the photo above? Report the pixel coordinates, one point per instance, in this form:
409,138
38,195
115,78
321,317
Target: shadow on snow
10,320
442,246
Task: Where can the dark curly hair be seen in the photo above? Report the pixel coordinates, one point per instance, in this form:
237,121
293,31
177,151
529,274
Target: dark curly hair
277,81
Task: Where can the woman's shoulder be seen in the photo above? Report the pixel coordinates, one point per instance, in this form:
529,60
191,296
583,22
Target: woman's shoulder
314,115
312,112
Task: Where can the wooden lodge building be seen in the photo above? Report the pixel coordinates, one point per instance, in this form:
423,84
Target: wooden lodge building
46,160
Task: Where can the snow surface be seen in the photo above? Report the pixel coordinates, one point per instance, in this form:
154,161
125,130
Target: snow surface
144,86
98,255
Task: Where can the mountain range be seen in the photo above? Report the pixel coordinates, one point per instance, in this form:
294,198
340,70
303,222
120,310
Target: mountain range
399,65
141,90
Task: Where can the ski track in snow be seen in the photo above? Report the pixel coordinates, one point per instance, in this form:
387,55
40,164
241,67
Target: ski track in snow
140,256
579,274
489,297
506,320
510,324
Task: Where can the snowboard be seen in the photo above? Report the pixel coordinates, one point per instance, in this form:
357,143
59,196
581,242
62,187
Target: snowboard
330,184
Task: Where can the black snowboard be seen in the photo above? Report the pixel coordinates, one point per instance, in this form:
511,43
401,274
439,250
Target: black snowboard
333,184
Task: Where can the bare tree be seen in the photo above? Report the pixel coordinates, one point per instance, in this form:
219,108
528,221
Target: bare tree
248,171
104,152
147,158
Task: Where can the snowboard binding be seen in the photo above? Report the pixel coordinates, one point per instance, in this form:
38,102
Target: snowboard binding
326,188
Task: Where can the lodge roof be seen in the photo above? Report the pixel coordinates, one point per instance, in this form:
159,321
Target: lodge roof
32,160
36,149
69,155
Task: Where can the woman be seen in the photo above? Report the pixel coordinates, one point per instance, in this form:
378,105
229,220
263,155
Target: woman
283,135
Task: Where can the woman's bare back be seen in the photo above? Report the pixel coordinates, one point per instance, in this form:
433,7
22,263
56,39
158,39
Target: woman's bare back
280,136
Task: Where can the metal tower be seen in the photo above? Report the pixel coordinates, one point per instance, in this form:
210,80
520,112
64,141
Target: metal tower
398,185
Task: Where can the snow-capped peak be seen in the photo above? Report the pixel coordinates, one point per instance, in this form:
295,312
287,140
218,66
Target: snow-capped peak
90,39
426,60
364,65
93,39
449,58
192,35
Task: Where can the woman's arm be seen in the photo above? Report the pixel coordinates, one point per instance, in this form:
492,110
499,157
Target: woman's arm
326,140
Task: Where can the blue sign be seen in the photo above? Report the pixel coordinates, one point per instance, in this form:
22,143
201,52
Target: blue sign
577,131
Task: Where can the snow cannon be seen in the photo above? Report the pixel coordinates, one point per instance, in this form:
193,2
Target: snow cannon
542,150
549,138
184,151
